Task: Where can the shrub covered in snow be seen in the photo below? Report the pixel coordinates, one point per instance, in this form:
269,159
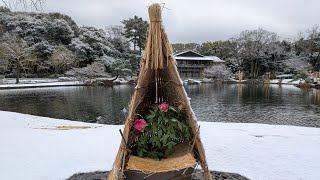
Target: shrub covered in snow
58,44
93,70
218,72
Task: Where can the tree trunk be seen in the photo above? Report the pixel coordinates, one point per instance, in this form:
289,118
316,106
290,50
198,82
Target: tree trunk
318,62
17,71
251,68
134,45
256,70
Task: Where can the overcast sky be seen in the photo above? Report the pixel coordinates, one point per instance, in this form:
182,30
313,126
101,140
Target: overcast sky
201,20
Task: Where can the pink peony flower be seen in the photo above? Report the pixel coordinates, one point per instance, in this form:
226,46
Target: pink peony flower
140,124
164,106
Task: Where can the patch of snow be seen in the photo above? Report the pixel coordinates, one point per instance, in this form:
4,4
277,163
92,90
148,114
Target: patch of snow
256,151
30,80
274,81
51,84
263,152
28,152
286,81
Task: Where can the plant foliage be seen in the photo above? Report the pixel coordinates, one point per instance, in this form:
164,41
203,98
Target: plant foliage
164,130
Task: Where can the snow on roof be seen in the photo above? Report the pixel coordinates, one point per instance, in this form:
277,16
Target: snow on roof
199,57
204,58
178,54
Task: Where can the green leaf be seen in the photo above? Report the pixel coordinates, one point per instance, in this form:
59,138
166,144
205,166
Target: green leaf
180,125
173,109
174,120
151,116
162,127
171,144
160,133
143,140
160,154
187,134
159,119
171,130
173,136
164,142
153,139
154,128
140,152
158,143
165,137
153,154
144,150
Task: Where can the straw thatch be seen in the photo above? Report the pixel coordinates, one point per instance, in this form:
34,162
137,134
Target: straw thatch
181,158
159,81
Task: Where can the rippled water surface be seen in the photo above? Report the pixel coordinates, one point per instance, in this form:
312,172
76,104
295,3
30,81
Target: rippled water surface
270,104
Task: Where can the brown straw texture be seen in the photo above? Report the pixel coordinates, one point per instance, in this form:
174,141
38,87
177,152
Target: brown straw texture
159,81
180,159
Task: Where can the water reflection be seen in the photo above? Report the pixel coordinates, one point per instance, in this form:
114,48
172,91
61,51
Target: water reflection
74,103
270,104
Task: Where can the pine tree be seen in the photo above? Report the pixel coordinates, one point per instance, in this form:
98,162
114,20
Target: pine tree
136,31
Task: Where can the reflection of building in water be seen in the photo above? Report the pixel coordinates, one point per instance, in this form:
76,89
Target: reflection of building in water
266,89
315,76
316,98
240,86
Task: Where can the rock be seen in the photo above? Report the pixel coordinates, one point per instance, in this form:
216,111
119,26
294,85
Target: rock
217,175
207,80
131,81
117,82
108,82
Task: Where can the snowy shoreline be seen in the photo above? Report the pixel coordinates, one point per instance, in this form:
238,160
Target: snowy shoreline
37,85
38,82
37,149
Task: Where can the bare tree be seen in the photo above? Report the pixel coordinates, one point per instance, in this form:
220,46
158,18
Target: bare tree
314,46
233,54
23,4
62,59
115,31
308,46
252,49
15,51
116,36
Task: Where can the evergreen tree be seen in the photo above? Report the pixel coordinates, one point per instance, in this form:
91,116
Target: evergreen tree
136,31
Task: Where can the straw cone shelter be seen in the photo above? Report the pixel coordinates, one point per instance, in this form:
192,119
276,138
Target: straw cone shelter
159,81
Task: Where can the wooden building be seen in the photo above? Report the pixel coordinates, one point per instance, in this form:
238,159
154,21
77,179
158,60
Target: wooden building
191,64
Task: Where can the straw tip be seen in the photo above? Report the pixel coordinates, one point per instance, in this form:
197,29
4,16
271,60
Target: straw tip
155,5
155,12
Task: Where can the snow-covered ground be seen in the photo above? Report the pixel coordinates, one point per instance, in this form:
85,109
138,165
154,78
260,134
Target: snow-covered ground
286,81
29,80
41,84
34,148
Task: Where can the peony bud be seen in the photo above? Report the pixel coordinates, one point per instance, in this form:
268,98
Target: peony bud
164,106
140,124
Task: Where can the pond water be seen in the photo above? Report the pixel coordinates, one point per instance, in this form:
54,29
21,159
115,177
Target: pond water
269,104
